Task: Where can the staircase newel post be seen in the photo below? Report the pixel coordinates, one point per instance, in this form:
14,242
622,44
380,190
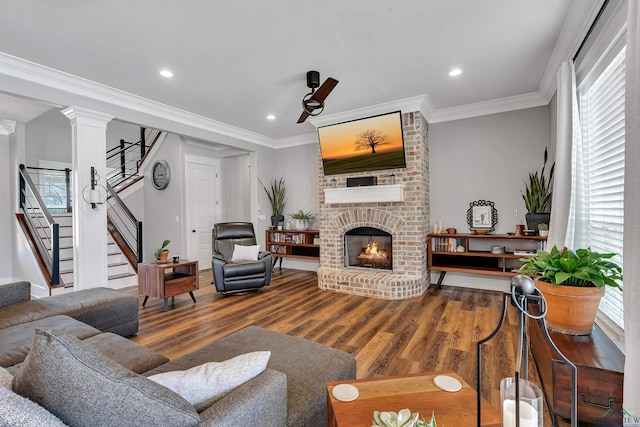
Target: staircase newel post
67,184
123,159
55,255
22,187
143,142
139,230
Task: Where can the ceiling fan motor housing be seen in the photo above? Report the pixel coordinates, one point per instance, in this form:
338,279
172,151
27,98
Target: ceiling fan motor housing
313,79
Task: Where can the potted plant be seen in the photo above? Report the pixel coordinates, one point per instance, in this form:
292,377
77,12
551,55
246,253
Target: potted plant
572,282
277,198
537,195
162,254
302,219
543,229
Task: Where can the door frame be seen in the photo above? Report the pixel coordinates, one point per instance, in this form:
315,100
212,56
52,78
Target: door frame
189,159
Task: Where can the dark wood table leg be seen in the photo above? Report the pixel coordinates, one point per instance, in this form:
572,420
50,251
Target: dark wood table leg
440,279
166,304
146,297
192,296
280,263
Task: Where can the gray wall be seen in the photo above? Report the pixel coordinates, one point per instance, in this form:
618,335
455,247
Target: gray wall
236,178
484,158
6,269
48,138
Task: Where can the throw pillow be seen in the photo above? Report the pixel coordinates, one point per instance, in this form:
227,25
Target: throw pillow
17,411
5,378
245,253
204,384
83,387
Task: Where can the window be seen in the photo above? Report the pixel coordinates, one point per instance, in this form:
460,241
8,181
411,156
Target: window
603,135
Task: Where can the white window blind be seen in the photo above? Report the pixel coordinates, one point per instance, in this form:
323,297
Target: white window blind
602,116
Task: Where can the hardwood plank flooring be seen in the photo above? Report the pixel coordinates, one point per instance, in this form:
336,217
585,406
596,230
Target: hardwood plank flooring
437,331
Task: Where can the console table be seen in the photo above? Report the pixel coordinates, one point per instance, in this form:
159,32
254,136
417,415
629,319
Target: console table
477,257
167,279
299,244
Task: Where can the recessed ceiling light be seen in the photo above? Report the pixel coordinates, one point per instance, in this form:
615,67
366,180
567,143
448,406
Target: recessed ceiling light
455,72
271,117
166,73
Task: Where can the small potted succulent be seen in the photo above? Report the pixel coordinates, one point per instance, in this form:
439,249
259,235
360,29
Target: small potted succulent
162,254
572,283
543,229
302,219
404,418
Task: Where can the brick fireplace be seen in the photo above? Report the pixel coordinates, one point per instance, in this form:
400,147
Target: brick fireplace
400,210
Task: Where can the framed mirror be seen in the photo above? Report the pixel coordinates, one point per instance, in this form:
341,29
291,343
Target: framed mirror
482,216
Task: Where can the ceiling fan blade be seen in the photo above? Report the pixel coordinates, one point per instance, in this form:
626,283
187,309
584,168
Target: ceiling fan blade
324,90
303,117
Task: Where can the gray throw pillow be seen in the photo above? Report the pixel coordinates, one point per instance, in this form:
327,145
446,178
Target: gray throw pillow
85,388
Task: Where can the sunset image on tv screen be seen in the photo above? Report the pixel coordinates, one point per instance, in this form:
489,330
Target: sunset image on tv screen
367,144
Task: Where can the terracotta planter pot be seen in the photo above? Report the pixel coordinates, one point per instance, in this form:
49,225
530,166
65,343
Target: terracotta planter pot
571,310
164,255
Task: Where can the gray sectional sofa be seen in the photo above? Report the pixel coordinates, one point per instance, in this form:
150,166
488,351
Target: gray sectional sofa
291,391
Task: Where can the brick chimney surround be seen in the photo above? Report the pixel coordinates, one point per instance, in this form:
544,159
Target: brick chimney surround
401,210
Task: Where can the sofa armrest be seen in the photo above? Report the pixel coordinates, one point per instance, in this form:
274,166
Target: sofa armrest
13,293
261,401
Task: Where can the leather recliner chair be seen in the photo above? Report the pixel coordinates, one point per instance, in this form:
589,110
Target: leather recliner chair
238,276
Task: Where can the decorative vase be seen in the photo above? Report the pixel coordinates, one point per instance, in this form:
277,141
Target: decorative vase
533,219
571,310
301,224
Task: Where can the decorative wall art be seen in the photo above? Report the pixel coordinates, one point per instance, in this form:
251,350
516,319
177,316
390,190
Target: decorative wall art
482,216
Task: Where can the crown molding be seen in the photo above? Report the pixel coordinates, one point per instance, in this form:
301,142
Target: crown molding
405,105
307,138
54,79
574,29
511,103
7,127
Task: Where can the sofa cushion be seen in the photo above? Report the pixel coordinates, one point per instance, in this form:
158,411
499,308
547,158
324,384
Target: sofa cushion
16,340
109,310
61,374
204,384
307,365
130,355
13,293
17,411
6,378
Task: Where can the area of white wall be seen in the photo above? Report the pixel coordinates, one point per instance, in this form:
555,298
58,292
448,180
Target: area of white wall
117,130
484,158
236,184
48,137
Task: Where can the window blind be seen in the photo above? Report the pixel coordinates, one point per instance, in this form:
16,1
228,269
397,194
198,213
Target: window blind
602,116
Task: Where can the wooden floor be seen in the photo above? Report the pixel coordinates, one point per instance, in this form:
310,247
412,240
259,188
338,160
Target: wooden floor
434,332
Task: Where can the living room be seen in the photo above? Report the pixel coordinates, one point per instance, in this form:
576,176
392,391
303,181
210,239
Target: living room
483,151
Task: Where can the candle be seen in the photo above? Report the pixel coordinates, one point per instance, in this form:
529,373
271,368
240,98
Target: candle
528,414
94,196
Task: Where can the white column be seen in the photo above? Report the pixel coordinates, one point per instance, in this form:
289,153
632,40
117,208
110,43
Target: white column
7,192
89,141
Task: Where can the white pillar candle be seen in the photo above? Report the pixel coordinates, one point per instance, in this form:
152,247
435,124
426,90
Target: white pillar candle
94,196
528,414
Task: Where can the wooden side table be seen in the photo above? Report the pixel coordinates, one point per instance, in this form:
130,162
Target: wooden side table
416,392
167,280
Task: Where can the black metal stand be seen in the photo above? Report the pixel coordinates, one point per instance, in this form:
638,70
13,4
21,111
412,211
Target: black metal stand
523,292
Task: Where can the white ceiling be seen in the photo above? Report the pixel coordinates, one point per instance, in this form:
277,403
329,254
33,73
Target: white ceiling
236,62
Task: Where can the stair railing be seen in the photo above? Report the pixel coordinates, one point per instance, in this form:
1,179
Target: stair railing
125,159
45,230
126,224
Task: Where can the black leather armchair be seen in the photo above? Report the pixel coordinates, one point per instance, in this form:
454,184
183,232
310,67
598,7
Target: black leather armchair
238,276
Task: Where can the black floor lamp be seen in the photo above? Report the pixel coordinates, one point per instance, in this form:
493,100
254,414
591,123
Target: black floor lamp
521,401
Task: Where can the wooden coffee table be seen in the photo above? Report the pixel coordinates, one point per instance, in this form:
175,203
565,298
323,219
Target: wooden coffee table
415,392
164,280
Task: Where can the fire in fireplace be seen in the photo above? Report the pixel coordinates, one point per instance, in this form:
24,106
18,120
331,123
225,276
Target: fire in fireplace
368,247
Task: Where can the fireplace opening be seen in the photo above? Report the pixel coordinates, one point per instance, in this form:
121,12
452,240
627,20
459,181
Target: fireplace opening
368,247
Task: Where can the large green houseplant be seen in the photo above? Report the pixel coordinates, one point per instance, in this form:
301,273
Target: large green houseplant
537,195
572,283
277,195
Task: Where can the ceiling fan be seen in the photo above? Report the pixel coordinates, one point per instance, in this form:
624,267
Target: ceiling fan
313,102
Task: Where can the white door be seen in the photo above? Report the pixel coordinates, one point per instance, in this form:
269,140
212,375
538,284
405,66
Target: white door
203,203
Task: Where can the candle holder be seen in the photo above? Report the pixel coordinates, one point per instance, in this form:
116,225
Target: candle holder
522,406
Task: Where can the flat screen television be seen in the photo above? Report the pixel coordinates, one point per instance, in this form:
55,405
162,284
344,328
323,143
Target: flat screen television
372,143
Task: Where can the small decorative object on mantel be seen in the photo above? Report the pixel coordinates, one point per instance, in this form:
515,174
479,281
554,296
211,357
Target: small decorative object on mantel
482,217
404,418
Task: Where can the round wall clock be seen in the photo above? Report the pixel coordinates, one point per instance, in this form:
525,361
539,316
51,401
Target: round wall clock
161,174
